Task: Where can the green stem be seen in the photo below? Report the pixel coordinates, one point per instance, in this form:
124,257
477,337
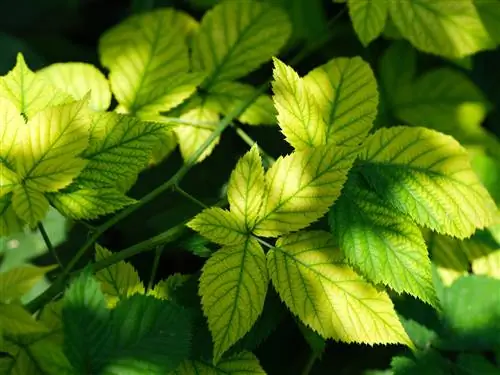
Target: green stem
310,363
268,159
156,262
46,239
189,196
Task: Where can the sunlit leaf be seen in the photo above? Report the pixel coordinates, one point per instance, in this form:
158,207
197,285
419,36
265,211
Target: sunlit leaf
18,281
368,18
29,204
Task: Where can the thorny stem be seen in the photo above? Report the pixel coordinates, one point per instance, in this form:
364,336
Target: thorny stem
60,282
46,239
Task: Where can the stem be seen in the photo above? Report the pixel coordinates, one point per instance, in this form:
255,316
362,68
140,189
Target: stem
156,262
189,196
268,159
46,239
310,363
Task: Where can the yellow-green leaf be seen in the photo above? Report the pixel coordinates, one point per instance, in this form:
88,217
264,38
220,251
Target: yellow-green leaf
9,221
164,289
200,122
301,187
236,37
244,363
147,56
51,145
77,79
345,90
220,226
451,29
299,116
87,203
29,93
29,204
368,18
11,121
15,320
427,175
8,179
327,295
118,281
18,281
233,287
246,186
489,11
385,246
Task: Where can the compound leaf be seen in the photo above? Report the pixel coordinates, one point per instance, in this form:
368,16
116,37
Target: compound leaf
328,296
29,93
8,179
88,203
18,281
120,147
246,186
220,226
119,280
56,134
236,37
15,320
233,287
345,90
11,121
299,116
29,204
147,56
385,246
301,187
9,221
77,79
451,29
427,175
368,18
244,363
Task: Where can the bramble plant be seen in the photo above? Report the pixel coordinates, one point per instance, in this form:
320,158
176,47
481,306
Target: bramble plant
380,225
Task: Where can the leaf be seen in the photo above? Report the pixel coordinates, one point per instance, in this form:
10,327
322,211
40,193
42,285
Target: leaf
385,246
192,136
220,226
10,223
29,93
299,117
427,175
226,96
86,203
244,363
54,134
29,204
119,280
368,18
245,189
306,270
165,289
15,320
314,179
489,12
148,59
236,37
18,281
451,29
120,147
77,79
345,90
8,179
233,287
12,121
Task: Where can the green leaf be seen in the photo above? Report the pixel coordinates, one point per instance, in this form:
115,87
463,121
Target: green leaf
226,96
428,362
383,245
220,226
476,364
18,281
200,122
77,79
29,93
307,271
119,280
15,320
88,203
471,307
299,116
165,289
489,12
55,134
427,175
9,221
246,186
29,204
236,37
244,363
147,56
233,288
451,29
8,179
345,90
120,147
12,121
368,18
301,187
